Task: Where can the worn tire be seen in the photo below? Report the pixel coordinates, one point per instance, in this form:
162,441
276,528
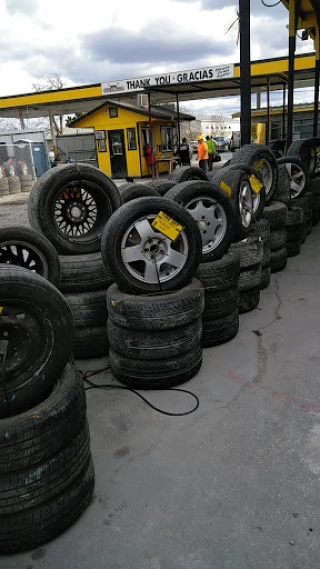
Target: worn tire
186,194
160,312
133,191
163,373
261,229
88,308
112,249
90,342
250,251
258,200
302,149
162,186
39,328
249,299
265,277
315,217
222,274
185,173
252,155
278,260
266,256
293,248
278,239
295,217
80,273
220,304
47,191
296,171
154,344
250,278
216,332
277,214
283,190
294,233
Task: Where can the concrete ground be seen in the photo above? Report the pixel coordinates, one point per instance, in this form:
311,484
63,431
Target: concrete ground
236,485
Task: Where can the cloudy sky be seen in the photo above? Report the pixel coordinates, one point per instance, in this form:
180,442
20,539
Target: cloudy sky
101,40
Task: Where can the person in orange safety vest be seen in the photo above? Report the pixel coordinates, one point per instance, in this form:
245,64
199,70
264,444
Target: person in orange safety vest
203,155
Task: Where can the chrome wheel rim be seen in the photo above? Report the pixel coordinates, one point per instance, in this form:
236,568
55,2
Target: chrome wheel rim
245,204
23,255
265,172
297,179
151,257
255,203
211,218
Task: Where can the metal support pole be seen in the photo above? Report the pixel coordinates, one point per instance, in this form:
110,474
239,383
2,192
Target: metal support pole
150,132
178,120
245,71
292,49
259,99
21,120
316,84
283,129
53,136
268,130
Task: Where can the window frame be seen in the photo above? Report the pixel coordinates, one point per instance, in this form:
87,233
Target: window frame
113,112
166,129
132,130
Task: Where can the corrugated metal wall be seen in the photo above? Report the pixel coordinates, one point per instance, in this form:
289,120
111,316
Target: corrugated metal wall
79,147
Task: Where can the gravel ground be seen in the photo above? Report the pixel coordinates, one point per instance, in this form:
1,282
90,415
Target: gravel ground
14,210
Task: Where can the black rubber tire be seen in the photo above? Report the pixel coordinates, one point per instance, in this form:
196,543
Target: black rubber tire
222,274
40,336
35,526
123,219
37,434
160,312
259,200
276,213
133,191
216,332
25,489
249,300
250,251
162,374
90,342
278,260
278,239
261,229
265,278
80,273
283,190
220,304
185,173
303,232
308,227
315,217
88,308
294,233
296,162
45,193
251,155
185,192
295,217
266,256
250,278
154,344
293,248
302,149
162,186
314,187
42,256
234,179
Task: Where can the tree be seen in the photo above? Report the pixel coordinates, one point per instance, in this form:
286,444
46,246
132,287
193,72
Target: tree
71,118
52,82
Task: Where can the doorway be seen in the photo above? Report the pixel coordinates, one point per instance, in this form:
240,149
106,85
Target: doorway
117,154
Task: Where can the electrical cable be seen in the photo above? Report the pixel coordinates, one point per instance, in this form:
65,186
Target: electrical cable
270,5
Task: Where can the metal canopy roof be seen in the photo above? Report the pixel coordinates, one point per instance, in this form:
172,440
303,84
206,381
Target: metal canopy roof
308,14
86,98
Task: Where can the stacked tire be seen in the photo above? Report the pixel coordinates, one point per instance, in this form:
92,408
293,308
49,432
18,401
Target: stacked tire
220,280
309,212
303,203
315,189
276,214
26,182
261,230
294,231
4,186
250,251
14,185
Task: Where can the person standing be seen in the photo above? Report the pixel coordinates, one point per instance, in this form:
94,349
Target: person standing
203,155
185,153
212,149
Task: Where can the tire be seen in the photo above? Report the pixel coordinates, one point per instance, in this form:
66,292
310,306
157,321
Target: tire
265,278
315,217
212,210
34,436
250,251
90,342
133,191
293,248
302,149
216,332
303,232
163,312
216,276
33,527
121,230
220,304
24,247
163,374
249,300
99,197
295,217
37,323
250,278
29,488
14,185
162,186
80,273
308,227
298,175
283,191
240,195
266,256
185,173
4,187
261,229
88,308
25,178
258,200
278,239
278,260
22,170
294,233
155,344
277,214
262,159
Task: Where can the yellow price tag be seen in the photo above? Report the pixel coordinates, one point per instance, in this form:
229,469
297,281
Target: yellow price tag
225,188
1,309
255,184
317,149
258,164
167,226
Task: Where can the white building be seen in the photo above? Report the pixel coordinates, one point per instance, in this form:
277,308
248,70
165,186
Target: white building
218,125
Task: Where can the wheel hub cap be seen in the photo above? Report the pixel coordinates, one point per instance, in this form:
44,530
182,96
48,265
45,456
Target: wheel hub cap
155,250
76,212
211,219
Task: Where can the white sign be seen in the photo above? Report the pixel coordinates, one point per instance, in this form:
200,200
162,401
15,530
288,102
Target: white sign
191,76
